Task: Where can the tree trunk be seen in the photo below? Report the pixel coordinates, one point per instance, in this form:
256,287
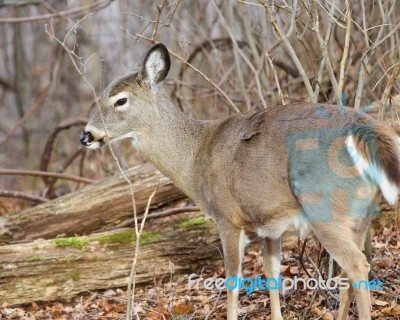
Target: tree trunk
105,203
59,269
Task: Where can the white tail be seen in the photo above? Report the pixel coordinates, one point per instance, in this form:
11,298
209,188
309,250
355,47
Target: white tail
373,172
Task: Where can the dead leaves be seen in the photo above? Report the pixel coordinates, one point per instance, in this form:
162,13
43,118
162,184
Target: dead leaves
159,313
323,314
171,300
385,262
380,303
392,311
290,271
99,307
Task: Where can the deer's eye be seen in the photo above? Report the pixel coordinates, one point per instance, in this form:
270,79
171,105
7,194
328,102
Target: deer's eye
120,102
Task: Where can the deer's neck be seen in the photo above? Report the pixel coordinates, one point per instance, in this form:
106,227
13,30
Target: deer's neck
172,143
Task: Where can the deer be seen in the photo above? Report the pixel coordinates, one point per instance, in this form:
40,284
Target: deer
316,168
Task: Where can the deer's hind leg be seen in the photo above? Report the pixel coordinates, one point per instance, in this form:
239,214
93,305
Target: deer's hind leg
345,295
343,244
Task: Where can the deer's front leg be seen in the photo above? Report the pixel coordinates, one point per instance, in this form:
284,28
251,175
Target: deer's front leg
234,241
272,265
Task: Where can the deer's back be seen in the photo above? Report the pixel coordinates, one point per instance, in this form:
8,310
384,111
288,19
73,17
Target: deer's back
243,169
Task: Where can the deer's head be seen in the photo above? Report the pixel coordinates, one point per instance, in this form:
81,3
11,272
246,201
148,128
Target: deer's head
129,102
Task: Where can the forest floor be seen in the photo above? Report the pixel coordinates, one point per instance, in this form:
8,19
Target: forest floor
170,297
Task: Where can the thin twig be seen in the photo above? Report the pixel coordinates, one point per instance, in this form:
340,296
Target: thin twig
55,66
66,13
322,63
32,173
160,8
314,15
131,282
81,162
278,86
238,65
249,3
35,106
292,19
244,57
386,93
282,37
368,54
310,304
255,49
22,195
214,306
301,258
46,155
159,214
72,158
207,45
345,51
364,21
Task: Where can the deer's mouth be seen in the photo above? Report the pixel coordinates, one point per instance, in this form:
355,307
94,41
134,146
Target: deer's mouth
96,144
88,140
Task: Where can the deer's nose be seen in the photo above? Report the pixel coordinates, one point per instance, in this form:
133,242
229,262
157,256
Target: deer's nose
86,138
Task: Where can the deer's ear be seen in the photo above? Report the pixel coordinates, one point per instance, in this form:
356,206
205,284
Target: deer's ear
156,64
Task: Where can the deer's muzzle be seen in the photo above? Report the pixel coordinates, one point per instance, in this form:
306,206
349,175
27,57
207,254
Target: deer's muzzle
86,138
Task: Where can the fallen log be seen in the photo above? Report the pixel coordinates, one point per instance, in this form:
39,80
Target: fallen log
107,202
61,268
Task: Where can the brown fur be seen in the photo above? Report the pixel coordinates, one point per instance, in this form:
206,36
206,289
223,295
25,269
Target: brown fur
237,169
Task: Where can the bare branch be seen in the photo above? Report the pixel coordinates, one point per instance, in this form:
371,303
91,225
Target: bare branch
327,37
314,15
20,3
368,54
244,57
39,102
131,282
292,20
364,27
6,85
32,173
160,8
66,13
35,106
345,49
22,195
65,125
278,86
386,93
282,37
159,214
